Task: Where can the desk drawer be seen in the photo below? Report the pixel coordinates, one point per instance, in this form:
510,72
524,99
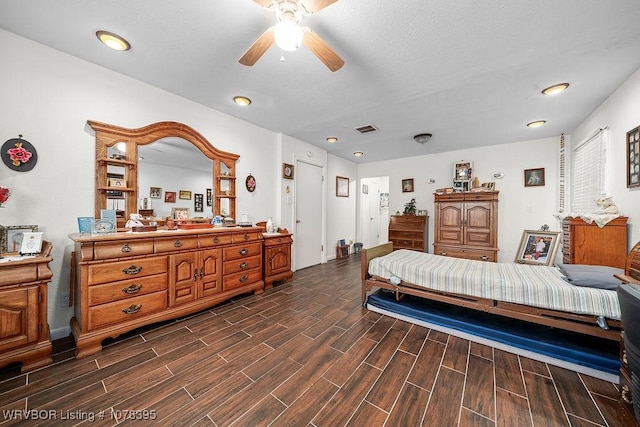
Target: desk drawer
242,251
122,270
109,292
243,278
122,311
107,250
243,264
478,255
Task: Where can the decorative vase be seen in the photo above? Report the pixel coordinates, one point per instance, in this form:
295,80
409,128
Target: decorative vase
269,225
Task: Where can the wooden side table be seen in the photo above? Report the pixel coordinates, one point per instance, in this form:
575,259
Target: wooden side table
24,332
277,257
342,251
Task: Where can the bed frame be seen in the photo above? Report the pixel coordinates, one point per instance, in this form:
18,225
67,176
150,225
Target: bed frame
589,325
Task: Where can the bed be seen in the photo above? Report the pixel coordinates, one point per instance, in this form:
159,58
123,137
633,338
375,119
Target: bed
537,294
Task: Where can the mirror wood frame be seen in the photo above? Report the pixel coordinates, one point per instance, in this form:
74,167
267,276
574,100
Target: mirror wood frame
107,135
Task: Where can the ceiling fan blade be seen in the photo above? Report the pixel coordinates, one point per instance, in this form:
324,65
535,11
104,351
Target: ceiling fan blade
322,50
258,48
263,3
314,6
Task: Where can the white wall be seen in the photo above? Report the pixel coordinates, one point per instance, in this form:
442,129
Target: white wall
341,211
516,200
48,96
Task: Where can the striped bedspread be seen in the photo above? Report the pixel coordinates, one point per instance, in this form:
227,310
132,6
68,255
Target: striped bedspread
533,285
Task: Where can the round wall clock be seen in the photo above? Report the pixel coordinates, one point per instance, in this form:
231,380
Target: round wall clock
18,154
250,183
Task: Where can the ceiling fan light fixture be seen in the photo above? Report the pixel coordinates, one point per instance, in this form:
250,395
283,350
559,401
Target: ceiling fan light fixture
243,101
555,89
422,138
113,41
288,35
536,124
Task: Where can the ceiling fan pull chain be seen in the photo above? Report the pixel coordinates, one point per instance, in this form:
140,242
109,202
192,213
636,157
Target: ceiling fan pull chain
282,56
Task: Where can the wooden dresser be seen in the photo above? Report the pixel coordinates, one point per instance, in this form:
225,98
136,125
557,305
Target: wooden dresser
409,232
126,280
466,225
24,328
277,257
584,243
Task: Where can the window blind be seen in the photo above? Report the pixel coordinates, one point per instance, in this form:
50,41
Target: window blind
589,173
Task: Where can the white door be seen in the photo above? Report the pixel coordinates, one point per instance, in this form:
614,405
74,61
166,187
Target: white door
374,210
308,232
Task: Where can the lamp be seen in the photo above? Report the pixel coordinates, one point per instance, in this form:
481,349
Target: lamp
421,138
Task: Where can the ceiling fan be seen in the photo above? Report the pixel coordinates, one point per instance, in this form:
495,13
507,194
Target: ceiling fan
288,34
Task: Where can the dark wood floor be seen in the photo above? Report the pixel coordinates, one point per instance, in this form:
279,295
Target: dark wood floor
305,353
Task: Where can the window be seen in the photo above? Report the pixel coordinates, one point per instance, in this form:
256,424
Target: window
589,172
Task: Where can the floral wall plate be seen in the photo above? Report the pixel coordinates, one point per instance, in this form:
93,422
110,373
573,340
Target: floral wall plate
250,183
19,154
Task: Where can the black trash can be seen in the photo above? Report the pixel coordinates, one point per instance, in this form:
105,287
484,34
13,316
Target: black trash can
357,247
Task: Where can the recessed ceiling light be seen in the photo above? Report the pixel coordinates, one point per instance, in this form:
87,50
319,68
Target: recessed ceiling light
536,124
555,89
113,41
332,139
241,100
358,153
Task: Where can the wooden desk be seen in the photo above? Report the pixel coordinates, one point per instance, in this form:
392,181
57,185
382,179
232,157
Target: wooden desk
24,329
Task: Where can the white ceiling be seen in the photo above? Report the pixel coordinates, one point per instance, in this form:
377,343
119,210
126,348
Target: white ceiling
469,72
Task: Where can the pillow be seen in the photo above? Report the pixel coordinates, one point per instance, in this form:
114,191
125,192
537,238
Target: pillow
594,276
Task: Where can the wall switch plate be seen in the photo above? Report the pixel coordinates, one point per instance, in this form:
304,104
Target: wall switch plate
64,300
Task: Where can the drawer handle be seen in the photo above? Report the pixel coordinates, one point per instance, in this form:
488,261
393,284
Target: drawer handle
126,248
279,239
243,265
177,244
132,289
626,395
134,269
246,236
443,253
201,272
132,309
484,258
244,278
243,251
216,239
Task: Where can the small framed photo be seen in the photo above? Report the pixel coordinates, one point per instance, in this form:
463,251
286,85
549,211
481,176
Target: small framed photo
155,192
287,171
209,197
534,177
117,182
31,243
342,186
198,200
185,195
488,186
180,213
538,247
407,185
169,196
11,236
633,158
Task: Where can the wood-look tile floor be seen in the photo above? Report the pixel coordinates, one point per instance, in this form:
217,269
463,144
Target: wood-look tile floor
304,354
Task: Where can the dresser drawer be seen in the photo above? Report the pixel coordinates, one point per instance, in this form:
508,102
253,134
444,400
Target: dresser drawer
106,250
122,270
167,244
243,278
280,240
108,292
249,236
478,255
209,240
122,311
242,251
243,264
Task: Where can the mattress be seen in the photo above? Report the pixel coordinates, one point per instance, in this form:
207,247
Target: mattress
532,285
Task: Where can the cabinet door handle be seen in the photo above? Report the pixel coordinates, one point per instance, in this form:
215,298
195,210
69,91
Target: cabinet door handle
177,244
216,239
132,289
126,248
201,272
243,251
132,309
134,269
243,265
195,274
626,393
244,278
246,236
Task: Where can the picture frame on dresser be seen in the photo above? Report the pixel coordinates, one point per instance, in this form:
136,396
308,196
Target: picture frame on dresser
538,247
11,236
633,158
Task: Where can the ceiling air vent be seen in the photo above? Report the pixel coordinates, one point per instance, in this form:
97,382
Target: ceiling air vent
366,128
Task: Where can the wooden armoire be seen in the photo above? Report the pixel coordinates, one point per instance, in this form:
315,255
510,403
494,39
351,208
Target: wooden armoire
466,225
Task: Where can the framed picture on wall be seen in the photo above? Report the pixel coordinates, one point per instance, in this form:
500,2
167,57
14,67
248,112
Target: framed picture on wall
633,158
534,177
197,202
407,185
155,192
342,186
185,195
169,196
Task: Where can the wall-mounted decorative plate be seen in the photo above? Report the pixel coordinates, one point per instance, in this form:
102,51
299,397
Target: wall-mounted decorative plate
250,183
19,154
